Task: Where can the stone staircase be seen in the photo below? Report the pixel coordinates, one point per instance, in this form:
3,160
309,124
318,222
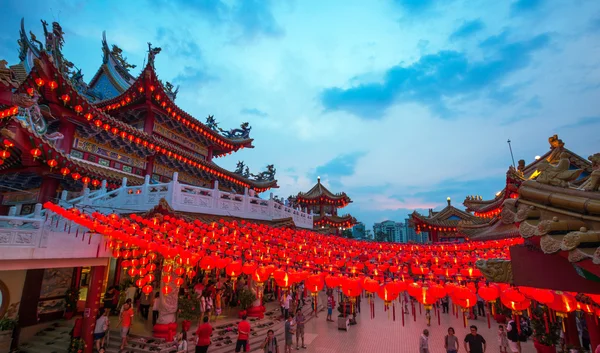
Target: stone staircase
223,338
53,339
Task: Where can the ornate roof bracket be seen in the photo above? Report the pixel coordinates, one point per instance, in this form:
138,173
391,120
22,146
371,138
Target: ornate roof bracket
574,239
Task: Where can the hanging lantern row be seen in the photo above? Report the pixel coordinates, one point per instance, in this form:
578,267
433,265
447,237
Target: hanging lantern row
489,214
9,112
100,120
341,203
422,227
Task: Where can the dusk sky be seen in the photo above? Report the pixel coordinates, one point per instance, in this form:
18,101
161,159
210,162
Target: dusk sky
399,103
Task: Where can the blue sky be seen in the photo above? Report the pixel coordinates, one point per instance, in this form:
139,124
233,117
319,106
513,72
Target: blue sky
400,103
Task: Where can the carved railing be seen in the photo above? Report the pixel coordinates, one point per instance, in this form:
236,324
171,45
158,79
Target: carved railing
181,197
18,231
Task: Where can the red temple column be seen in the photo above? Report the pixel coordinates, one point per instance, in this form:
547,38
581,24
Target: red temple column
209,156
572,335
92,304
48,189
593,329
150,165
67,128
149,122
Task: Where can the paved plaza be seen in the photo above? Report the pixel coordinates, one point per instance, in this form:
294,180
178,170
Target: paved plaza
383,335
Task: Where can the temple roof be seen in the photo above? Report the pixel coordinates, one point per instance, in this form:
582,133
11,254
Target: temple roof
345,221
529,172
320,192
178,119
448,217
89,115
495,229
113,77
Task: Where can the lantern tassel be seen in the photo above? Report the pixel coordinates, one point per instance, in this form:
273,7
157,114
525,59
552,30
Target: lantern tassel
464,319
438,316
488,320
76,232
420,309
518,323
546,322
394,311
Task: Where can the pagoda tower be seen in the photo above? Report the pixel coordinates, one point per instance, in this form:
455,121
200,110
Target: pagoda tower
324,204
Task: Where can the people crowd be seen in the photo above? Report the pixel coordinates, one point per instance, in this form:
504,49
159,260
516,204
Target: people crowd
218,294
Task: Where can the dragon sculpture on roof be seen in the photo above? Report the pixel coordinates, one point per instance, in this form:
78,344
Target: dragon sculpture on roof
242,169
242,133
268,175
117,53
211,123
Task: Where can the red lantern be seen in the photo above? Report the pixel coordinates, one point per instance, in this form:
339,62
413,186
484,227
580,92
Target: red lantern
178,281
167,290
64,171
147,289
36,152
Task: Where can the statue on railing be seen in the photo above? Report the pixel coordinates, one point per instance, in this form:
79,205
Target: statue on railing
268,175
211,123
242,133
242,169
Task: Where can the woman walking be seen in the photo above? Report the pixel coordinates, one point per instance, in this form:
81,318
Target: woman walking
101,328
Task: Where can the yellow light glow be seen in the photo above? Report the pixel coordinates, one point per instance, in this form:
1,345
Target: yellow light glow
534,175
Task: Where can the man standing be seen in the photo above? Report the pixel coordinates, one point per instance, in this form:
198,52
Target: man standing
424,342
286,305
300,328
474,342
480,306
125,323
203,335
289,332
243,335
445,304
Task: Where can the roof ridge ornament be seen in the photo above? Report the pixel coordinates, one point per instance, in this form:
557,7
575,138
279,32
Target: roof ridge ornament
152,52
268,175
212,123
242,133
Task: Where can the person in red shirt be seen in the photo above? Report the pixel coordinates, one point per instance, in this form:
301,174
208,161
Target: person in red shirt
243,335
125,323
203,336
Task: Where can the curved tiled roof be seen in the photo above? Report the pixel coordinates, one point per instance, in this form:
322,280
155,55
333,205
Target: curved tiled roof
47,67
338,221
319,192
442,218
205,135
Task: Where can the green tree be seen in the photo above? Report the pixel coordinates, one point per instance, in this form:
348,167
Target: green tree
381,236
347,233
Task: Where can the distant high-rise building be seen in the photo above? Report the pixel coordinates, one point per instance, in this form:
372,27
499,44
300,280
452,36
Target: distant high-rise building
393,231
359,231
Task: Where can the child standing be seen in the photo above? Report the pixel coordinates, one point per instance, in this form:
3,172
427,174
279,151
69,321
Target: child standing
502,339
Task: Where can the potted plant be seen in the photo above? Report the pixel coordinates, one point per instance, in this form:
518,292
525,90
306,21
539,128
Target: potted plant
188,308
245,298
71,299
544,341
7,326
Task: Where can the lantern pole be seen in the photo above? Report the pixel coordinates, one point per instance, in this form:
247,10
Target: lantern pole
511,153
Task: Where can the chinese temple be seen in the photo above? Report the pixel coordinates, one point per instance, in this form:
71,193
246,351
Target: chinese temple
61,133
490,224
442,225
554,205
118,144
324,205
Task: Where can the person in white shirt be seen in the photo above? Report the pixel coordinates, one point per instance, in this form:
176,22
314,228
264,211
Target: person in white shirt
286,305
424,342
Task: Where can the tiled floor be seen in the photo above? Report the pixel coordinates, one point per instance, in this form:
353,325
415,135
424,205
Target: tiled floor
383,335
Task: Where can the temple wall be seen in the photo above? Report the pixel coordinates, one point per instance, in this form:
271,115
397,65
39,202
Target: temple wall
14,281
